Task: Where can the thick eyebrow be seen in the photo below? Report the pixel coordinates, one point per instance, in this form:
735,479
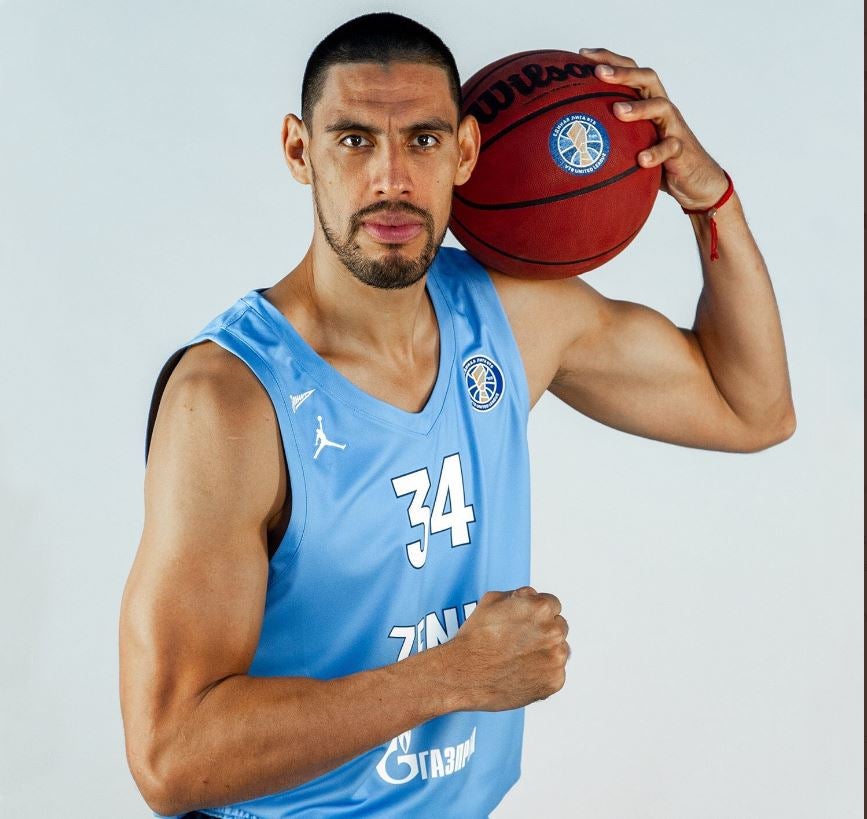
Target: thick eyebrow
432,124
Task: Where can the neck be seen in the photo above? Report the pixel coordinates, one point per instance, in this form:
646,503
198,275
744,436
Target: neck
340,315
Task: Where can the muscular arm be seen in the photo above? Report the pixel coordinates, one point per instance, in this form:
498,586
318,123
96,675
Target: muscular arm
200,730
721,385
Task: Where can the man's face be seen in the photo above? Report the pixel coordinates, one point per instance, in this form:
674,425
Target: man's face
384,154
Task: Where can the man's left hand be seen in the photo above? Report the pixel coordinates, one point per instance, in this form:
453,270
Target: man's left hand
690,174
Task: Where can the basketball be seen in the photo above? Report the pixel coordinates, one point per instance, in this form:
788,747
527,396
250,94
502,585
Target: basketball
557,189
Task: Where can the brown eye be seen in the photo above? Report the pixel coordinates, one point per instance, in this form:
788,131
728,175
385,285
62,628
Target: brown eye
354,141
426,140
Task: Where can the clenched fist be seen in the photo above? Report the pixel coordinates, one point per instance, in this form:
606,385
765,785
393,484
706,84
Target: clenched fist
511,651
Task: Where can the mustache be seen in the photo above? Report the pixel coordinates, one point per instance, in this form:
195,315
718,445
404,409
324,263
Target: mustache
389,207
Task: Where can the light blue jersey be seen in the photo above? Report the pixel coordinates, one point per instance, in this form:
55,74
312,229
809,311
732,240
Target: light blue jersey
400,523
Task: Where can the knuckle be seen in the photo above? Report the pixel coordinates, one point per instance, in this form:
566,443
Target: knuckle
491,596
558,680
543,611
554,635
665,105
549,604
557,655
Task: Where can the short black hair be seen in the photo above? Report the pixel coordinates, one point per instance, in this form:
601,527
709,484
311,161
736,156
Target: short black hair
383,37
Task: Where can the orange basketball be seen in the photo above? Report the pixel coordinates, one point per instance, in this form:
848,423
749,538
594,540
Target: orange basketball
557,189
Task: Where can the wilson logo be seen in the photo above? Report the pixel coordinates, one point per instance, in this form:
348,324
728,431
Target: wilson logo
500,96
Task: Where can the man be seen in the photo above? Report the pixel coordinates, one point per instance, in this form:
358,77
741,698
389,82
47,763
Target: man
329,612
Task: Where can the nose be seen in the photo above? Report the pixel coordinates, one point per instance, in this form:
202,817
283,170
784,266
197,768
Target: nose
392,178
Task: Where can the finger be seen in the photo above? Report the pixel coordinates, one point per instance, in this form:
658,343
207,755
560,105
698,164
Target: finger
561,621
524,591
553,602
603,55
659,110
645,80
668,148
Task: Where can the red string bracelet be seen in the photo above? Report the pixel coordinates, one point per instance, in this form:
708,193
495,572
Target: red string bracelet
711,212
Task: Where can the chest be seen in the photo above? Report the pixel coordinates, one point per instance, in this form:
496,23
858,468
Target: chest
406,384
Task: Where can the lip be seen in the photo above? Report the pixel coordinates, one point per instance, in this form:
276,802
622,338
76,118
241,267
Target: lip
382,231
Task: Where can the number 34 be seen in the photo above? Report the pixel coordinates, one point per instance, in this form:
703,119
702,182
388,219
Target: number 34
449,494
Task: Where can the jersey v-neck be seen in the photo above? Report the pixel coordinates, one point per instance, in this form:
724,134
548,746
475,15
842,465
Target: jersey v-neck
339,386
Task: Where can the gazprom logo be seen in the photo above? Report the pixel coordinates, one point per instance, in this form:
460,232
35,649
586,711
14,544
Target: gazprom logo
579,144
398,768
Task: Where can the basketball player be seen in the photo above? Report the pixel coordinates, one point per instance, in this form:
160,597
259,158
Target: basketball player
329,612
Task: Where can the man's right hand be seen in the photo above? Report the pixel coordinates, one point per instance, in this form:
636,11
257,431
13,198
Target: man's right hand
511,651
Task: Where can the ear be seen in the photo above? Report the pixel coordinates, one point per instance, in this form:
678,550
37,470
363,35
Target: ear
469,142
296,141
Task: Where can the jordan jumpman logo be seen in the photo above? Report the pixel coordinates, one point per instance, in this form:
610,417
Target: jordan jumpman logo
322,441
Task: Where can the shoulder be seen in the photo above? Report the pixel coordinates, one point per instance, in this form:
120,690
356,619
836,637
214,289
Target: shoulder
216,428
518,296
521,297
547,317
217,379
555,296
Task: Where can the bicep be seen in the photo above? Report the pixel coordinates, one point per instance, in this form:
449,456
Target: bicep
631,368
192,608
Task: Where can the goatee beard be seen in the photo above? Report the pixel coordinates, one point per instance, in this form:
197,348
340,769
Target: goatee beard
393,271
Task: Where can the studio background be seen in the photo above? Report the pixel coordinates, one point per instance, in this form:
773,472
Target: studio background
714,600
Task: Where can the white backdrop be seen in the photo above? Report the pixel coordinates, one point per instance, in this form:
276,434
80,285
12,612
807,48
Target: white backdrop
714,600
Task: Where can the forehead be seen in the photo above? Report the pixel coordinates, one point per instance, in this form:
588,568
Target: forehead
389,89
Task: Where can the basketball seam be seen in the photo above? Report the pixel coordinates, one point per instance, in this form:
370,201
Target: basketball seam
540,261
547,200
502,64
551,107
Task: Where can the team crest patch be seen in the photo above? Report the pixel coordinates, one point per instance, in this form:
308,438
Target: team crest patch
485,382
579,144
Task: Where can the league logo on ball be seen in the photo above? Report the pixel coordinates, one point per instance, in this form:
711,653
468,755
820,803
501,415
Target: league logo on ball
485,382
579,144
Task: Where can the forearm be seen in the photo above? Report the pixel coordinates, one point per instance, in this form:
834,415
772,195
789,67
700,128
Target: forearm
251,736
737,325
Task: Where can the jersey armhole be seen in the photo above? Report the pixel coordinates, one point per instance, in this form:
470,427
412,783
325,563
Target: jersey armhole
157,397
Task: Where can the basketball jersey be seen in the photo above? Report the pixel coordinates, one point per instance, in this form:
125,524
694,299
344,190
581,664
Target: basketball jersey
400,522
